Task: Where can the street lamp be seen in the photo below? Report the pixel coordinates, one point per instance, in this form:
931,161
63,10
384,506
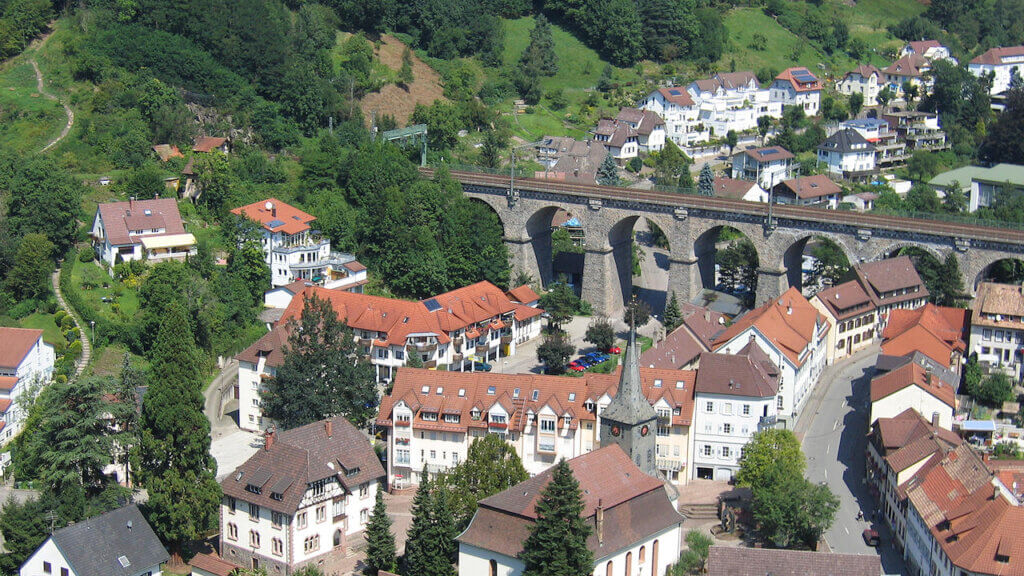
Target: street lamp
92,325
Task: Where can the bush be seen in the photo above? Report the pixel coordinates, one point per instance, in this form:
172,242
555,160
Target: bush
75,349
635,164
86,255
23,309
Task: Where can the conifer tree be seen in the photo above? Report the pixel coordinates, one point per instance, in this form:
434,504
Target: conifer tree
706,184
557,544
419,546
380,549
608,172
673,316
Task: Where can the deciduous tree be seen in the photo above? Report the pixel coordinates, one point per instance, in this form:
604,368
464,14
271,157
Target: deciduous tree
492,465
555,352
600,333
770,453
29,278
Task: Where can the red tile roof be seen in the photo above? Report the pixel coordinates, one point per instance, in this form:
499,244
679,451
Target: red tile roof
462,392
768,153
165,152
815,186
213,564
732,188
120,218
789,322
889,276
696,334
789,75
523,294
922,46
913,374
5,403
741,561
994,56
280,217
7,383
864,71
18,342
270,346
935,331
677,96
913,65
846,300
208,143
747,373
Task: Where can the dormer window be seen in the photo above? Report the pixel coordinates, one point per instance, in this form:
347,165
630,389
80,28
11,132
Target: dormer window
535,395
566,419
657,383
462,392
425,390
572,396
515,393
440,390
352,472
474,414
491,390
253,488
451,418
429,416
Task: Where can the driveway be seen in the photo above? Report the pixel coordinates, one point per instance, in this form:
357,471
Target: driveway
230,446
834,440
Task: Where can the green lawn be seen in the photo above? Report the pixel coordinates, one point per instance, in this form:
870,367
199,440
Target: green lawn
27,120
743,23
110,360
101,285
45,322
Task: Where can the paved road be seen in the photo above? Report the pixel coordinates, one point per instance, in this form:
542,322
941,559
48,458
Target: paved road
834,440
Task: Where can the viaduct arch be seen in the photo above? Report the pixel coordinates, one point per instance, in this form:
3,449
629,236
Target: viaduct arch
778,234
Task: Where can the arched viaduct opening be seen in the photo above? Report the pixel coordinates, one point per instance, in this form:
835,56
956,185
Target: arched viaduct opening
558,243
1002,271
640,251
728,263
814,263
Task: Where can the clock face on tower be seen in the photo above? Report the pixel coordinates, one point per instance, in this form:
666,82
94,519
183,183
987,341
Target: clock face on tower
644,430
616,431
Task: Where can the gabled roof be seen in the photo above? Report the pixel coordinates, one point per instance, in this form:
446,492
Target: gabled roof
768,154
789,322
806,187
893,434
617,132
17,343
634,506
277,475
913,65
913,374
523,294
208,143
864,71
748,373
801,79
935,331
677,96
1005,301
279,217
139,216
96,547
165,152
213,564
846,300
694,335
846,141
727,81
890,275
922,46
733,188
271,346
741,561
994,56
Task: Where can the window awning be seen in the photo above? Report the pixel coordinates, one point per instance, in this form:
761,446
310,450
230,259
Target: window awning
167,241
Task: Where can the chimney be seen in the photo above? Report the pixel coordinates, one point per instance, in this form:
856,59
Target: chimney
131,203
789,309
129,526
600,522
707,315
329,426
268,439
935,419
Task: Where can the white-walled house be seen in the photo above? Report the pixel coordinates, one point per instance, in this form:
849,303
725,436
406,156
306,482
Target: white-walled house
816,190
294,251
739,190
621,140
797,87
649,126
26,362
732,101
766,166
456,330
432,417
680,113
140,229
734,399
305,494
119,542
930,49
919,384
997,326
912,68
866,80
1001,63
636,528
848,154
793,334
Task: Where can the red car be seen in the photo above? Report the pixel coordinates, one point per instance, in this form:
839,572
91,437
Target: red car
870,537
614,350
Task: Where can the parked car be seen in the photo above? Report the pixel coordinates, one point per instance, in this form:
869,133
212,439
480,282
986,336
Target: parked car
481,367
597,357
870,537
614,350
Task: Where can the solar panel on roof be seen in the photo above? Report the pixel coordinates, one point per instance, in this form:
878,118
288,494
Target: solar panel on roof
767,152
275,223
432,305
675,92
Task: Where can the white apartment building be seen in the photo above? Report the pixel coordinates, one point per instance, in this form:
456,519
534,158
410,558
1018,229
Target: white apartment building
431,417
140,229
459,331
1001,64
930,49
307,493
865,80
793,334
293,250
26,362
649,126
734,399
732,101
997,326
797,87
680,113
766,166
847,154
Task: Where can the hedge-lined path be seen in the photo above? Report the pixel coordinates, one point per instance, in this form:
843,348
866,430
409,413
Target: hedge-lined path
83,335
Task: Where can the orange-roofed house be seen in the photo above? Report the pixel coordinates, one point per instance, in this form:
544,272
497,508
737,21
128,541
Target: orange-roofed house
295,252
457,330
997,326
25,361
797,87
935,331
915,385
140,229
431,417
793,334
635,527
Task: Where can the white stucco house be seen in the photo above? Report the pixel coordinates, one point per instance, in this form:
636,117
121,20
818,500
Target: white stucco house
732,101
649,126
920,384
848,155
1000,63
997,326
865,80
798,87
734,399
307,493
636,528
680,113
793,334
767,166
119,542
26,363
140,229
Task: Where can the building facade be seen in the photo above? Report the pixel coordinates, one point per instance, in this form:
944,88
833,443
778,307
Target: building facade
26,364
853,316
797,87
305,494
766,166
1000,64
997,326
680,113
848,155
732,101
865,80
140,229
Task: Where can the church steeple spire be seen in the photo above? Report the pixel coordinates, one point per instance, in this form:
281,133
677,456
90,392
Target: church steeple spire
629,420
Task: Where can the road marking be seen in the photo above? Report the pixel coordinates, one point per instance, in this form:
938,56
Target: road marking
844,404
828,449
847,530
835,426
826,474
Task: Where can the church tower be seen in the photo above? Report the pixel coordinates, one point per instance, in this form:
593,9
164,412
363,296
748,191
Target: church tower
630,421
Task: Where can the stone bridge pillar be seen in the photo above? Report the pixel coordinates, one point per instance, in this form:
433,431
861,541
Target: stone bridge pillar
683,278
522,257
600,281
771,283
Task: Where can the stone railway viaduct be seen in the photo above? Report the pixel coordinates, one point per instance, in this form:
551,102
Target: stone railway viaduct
692,224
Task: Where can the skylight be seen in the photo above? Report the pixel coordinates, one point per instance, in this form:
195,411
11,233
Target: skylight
425,390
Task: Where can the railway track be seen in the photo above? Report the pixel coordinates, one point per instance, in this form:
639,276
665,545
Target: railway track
781,211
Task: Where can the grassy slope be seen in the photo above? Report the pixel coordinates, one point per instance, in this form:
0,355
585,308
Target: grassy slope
27,120
44,322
